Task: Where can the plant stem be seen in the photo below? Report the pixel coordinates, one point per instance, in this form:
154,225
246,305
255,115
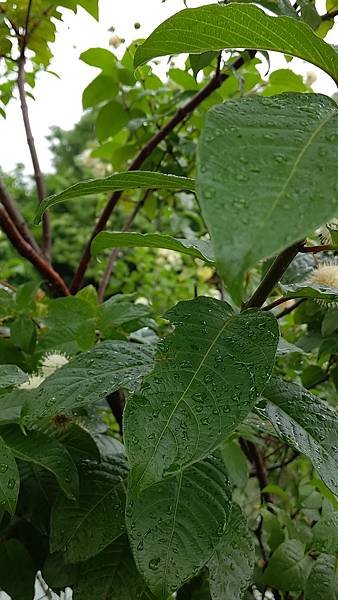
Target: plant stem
145,152
271,278
322,248
26,250
16,216
329,15
39,180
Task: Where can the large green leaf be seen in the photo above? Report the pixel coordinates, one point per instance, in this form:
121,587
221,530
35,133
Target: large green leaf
112,575
9,479
293,138
44,451
231,567
288,567
307,424
323,579
216,27
11,405
118,182
174,526
325,534
85,527
11,375
111,239
88,379
17,571
206,379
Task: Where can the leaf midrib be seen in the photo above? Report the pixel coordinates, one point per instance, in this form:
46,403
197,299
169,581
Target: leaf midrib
182,397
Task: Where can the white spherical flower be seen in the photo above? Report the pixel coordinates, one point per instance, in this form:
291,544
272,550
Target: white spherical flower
51,362
325,274
33,382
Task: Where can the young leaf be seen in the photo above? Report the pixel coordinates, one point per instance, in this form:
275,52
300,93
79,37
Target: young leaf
111,574
9,479
40,449
307,424
216,27
231,567
175,525
85,527
258,217
288,567
11,375
118,182
17,571
111,239
88,379
323,579
207,377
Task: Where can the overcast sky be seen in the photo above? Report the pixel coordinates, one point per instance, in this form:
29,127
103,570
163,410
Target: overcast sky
59,100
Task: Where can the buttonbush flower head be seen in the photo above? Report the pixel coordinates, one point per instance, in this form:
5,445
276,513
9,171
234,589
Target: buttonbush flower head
51,362
325,274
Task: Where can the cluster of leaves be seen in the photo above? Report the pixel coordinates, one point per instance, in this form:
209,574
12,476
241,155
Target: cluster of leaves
221,483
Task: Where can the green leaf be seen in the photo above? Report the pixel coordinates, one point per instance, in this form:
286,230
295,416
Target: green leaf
313,291
111,574
78,442
17,571
101,58
235,463
307,424
23,334
42,450
88,379
216,27
207,377
175,525
57,574
288,567
11,405
110,120
91,6
258,216
330,322
325,534
85,527
200,61
100,89
119,315
9,479
111,239
11,375
231,567
118,182
323,579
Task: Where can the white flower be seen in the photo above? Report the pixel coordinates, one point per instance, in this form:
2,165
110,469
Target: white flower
51,362
33,382
325,274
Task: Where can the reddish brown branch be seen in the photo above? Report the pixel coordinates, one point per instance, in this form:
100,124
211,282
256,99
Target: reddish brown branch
255,457
290,309
39,180
181,114
26,250
321,248
16,216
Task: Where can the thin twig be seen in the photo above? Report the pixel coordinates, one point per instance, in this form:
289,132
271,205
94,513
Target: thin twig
26,250
322,248
329,15
145,152
277,302
39,180
290,309
16,216
271,278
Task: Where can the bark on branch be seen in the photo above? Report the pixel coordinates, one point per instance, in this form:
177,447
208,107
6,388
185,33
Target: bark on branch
16,216
181,114
25,249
